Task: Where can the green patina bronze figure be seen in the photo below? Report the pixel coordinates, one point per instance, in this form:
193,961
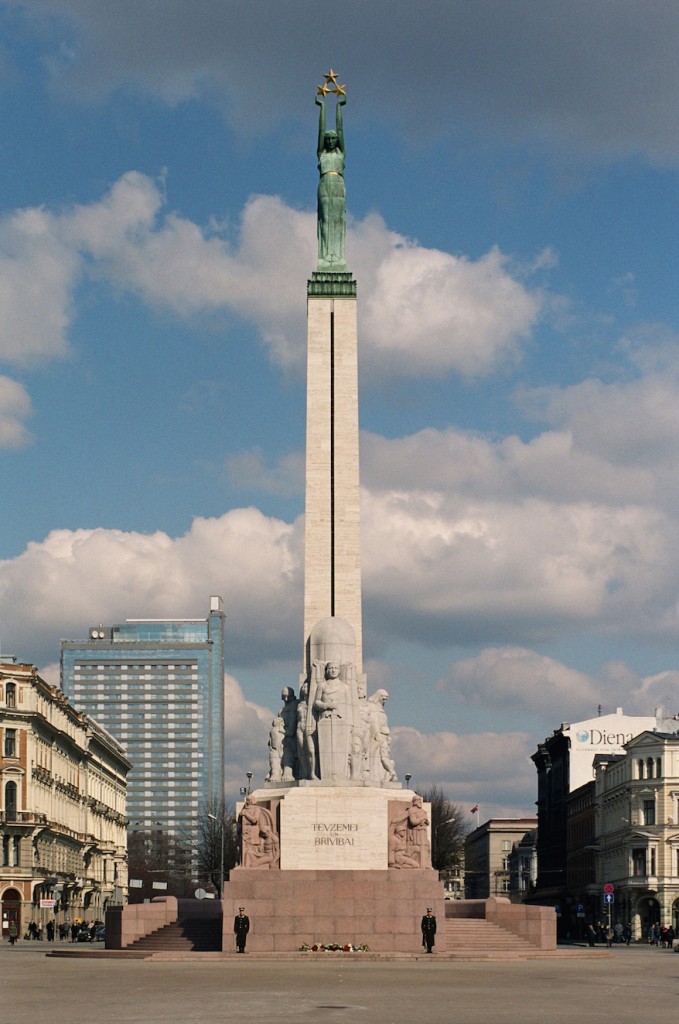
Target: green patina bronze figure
332,214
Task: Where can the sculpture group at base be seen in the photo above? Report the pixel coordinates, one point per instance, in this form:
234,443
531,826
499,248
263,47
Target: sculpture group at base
409,836
260,845
333,732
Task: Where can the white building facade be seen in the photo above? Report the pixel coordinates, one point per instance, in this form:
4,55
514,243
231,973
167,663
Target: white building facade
637,831
63,824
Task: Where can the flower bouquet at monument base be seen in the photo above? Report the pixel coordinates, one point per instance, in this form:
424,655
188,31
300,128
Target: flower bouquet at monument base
333,947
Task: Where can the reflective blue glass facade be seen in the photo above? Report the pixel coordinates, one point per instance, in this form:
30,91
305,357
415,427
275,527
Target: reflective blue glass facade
158,687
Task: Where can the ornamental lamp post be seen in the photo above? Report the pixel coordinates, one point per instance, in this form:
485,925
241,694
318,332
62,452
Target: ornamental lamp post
221,868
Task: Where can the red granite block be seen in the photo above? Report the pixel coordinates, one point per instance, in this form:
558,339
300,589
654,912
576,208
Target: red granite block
384,924
306,926
323,926
285,907
408,943
263,943
304,906
260,908
344,926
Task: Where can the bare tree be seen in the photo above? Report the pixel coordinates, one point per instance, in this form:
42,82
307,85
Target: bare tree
449,827
216,823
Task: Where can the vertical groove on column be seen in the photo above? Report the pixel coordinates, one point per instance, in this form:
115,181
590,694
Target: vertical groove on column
332,458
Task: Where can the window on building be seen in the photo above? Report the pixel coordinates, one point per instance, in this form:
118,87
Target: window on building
10,742
640,766
649,812
10,801
506,844
652,859
639,862
11,695
658,767
505,885
649,768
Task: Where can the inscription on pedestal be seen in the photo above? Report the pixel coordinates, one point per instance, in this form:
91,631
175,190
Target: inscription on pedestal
331,829
334,834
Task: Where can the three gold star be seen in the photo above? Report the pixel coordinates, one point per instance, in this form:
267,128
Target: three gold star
331,86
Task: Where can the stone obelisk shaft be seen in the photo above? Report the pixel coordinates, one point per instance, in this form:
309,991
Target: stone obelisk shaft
332,560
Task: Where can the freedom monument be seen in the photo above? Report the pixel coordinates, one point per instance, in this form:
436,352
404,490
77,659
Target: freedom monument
333,848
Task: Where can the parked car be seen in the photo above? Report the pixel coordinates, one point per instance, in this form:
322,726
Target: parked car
100,933
83,935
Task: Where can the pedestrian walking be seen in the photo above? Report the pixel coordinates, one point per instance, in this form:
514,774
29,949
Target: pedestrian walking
13,932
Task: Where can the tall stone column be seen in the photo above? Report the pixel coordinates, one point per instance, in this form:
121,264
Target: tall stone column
332,559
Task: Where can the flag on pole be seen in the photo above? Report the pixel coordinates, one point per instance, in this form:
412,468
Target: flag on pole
474,809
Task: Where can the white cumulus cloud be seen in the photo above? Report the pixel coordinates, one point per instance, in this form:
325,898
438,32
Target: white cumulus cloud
446,313
15,408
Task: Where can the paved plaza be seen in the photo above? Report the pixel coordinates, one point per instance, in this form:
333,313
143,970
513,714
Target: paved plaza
624,986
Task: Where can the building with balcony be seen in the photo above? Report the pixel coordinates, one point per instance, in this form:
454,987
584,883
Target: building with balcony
565,762
63,824
637,830
488,857
157,685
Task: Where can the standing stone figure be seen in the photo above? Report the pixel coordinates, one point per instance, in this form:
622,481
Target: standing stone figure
289,715
276,747
306,736
334,704
332,216
381,764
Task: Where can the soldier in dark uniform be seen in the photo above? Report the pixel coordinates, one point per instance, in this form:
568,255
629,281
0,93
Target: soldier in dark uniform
428,930
241,927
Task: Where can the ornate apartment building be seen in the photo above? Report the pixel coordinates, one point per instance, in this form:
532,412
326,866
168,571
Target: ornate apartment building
63,824
637,830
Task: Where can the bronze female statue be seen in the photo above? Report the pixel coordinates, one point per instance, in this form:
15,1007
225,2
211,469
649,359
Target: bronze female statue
332,217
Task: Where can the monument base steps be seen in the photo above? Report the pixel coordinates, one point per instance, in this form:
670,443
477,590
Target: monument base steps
191,935
478,936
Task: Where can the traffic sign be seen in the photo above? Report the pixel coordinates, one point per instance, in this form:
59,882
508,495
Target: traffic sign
609,887
609,897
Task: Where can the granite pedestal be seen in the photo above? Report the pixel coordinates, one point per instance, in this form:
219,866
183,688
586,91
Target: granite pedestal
382,909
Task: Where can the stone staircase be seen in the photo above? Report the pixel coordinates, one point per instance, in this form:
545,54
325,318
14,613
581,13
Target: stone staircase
191,935
476,938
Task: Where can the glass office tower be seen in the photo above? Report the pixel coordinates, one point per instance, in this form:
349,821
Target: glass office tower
158,686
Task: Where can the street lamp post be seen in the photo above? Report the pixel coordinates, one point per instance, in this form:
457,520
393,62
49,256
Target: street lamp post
221,863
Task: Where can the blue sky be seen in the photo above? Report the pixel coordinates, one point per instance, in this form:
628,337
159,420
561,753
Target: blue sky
512,189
